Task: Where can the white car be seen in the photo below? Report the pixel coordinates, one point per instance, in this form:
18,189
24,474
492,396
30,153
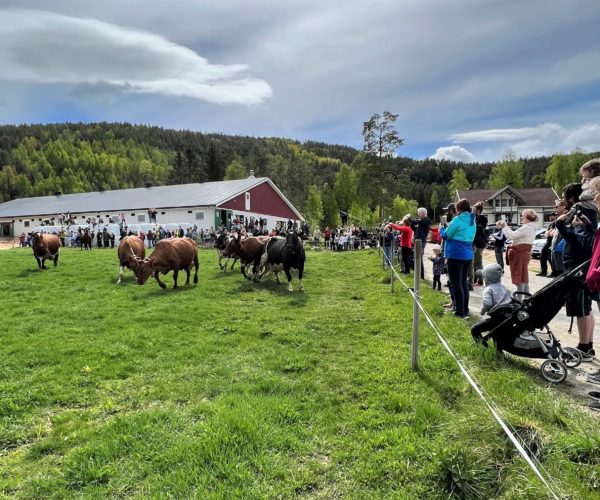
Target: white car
538,244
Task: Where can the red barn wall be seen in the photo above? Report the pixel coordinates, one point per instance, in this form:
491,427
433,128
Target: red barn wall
263,200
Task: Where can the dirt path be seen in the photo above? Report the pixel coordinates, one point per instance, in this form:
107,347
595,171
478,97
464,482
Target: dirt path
576,383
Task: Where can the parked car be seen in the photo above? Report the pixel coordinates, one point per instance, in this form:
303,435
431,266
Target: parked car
538,244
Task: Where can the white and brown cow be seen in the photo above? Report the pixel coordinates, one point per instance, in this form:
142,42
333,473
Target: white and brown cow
131,250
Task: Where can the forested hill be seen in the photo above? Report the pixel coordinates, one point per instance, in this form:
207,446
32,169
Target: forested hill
37,160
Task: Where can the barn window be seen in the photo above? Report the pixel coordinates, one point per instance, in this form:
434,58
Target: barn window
141,218
26,223
133,215
162,213
20,220
189,211
199,215
247,200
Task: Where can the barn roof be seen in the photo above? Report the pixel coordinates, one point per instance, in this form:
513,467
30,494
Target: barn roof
174,196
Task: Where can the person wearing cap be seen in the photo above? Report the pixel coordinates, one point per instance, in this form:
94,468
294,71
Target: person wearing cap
458,237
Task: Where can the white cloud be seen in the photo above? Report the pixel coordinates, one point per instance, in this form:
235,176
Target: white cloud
454,153
545,139
49,48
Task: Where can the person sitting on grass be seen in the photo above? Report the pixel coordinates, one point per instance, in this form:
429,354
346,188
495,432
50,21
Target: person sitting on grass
495,301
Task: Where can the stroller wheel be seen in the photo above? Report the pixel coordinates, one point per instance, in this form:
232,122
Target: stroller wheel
571,357
554,371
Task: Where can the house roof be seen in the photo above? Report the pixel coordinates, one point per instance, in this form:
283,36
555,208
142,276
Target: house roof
175,196
531,197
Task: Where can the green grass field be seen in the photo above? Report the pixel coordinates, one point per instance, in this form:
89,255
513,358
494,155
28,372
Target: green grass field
233,389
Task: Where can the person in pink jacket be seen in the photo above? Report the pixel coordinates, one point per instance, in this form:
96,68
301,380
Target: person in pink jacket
406,237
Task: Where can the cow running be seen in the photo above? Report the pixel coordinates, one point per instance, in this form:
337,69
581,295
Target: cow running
171,254
285,253
45,246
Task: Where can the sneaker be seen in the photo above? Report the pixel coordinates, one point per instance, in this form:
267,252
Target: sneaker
594,405
587,357
449,305
477,284
595,395
594,378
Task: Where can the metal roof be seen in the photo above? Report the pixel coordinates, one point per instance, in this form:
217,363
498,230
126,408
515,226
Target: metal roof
175,196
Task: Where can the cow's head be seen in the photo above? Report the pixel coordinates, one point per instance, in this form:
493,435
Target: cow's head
37,240
142,269
233,245
292,240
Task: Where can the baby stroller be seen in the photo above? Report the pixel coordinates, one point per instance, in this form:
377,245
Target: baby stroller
525,331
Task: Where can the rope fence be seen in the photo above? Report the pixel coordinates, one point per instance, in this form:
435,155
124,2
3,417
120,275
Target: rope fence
551,485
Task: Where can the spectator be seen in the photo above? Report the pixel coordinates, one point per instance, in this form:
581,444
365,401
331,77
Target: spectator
450,214
421,227
519,252
479,242
458,243
406,237
499,241
438,267
578,236
388,239
558,243
495,301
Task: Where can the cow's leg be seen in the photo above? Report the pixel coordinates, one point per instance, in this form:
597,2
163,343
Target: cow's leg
277,277
235,259
175,275
288,275
160,283
196,266
44,263
121,273
187,272
39,261
56,260
243,269
301,276
220,259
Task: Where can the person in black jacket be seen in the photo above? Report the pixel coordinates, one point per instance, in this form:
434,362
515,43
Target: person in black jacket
479,242
545,256
578,234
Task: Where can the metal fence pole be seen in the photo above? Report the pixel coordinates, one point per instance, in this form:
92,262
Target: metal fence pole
415,329
392,277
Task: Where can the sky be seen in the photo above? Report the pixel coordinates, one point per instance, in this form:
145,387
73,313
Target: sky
470,80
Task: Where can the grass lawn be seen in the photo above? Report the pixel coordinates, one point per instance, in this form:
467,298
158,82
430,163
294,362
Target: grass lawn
234,389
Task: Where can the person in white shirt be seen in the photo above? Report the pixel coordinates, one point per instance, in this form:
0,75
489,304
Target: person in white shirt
519,252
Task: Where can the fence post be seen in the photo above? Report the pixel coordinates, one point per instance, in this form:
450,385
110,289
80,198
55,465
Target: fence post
415,328
392,277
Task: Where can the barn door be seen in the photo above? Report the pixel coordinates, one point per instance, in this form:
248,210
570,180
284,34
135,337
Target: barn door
7,229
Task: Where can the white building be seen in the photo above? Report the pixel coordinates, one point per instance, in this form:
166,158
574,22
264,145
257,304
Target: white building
207,205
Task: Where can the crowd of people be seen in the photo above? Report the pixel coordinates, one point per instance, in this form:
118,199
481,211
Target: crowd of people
572,239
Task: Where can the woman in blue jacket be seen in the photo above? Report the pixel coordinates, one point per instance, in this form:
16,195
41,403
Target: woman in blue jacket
458,251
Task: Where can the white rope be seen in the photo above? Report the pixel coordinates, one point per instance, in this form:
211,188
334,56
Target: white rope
490,405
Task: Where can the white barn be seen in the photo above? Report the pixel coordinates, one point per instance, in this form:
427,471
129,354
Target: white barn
207,205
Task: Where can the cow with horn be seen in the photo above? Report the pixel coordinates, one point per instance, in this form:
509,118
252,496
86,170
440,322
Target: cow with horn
171,254
131,250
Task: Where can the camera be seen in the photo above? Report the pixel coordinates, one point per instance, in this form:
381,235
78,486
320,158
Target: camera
578,212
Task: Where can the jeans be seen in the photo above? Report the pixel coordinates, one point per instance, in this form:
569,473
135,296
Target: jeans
387,252
457,274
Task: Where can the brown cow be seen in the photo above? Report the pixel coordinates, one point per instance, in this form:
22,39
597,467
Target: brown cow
171,254
130,249
45,246
248,250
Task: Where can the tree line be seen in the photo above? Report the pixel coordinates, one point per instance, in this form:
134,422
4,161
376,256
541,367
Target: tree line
327,182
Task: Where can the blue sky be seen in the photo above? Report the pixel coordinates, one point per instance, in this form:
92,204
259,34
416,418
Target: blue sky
470,80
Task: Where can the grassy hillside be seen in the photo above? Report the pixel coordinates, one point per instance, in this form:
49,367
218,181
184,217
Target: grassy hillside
233,389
